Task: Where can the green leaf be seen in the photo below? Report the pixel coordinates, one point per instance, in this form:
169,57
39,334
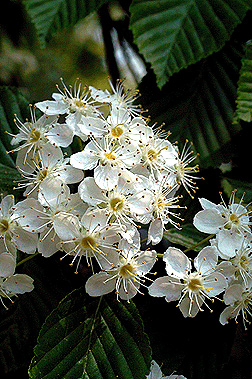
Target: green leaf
188,237
11,103
172,34
50,17
198,104
244,91
20,324
7,176
243,189
85,338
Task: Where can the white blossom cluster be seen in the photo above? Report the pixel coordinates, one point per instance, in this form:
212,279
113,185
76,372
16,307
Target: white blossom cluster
126,175
224,266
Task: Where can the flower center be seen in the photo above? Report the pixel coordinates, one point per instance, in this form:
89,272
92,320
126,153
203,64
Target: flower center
117,131
152,155
194,284
110,156
88,242
34,136
116,204
234,219
42,175
127,270
4,226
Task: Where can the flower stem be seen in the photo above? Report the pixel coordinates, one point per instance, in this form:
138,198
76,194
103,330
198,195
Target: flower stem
27,259
199,243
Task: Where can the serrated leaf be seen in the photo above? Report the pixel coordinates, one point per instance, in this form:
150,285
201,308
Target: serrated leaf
20,325
198,104
101,338
174,34
50,17
244,91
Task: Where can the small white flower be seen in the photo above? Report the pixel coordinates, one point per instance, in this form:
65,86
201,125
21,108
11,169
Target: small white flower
190,288
49,163
76,103
156,373
12,235
109,161
90,237
229,221
239,301
125,277
119,98
12,284
182,173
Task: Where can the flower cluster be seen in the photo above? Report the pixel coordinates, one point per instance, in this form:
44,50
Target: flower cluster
132,173
126,175
224,266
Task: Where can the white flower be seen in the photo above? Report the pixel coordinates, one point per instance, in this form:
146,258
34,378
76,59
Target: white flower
239,301
229,221
190,288
39,216
49,163
120,98
156,373
12,235
90,237
157,154
109,161
125,204
161,208
10,284
182,173
36,133
76,103
126,276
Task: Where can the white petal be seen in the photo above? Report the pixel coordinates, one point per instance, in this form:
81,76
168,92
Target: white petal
155,231
61,135
51,107
18,284
208,221
206,260
206,204
66,226
228,313
163,287
186,306
90,192
215,284
100,284
84,160
25,241
6,204
229,243
177,263
106,177
233,293
7,265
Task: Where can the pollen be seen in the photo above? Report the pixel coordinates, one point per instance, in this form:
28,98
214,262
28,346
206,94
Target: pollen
4,226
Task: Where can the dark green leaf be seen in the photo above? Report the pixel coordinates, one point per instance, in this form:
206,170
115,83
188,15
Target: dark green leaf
198,104
187,237
52,16
244,91
172,34
85,338
20,325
